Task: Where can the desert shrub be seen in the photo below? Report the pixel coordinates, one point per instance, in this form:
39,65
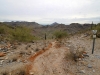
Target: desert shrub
97,27
76,53
22,34
4,29
19,33
98,31
60,34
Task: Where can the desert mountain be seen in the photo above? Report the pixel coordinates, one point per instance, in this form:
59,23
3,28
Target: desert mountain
40,30
25,23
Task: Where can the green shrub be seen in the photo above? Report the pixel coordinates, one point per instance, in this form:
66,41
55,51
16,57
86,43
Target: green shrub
22,34
4,29
60,34
97,27
19,33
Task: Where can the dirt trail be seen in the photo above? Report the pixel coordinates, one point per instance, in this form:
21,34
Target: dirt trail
52,61
56,61
33,57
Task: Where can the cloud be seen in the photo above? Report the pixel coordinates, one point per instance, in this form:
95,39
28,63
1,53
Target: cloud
49,10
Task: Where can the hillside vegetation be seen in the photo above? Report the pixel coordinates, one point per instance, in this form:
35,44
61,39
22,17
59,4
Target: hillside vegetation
18,33
60,34
48,50
97,27
29,31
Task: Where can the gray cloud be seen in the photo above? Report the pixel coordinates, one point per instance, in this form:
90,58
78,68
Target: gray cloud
48,11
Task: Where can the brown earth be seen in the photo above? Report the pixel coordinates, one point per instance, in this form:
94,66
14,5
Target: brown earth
2,54
54,59
57,61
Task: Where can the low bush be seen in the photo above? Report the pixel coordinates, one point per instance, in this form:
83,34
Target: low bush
22,34
19,33
76,53
60,34
97,27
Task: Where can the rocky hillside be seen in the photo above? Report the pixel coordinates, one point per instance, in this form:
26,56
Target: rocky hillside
41,30
70,29
73,27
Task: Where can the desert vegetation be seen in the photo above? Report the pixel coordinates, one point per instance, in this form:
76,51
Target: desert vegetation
60,34
18,33
97,27
43,50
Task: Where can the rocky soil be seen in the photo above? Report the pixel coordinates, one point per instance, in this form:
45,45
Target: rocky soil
52,59
90,65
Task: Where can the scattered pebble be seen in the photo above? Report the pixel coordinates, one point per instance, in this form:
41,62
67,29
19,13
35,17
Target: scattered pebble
82,71
93,70
97,56
89,66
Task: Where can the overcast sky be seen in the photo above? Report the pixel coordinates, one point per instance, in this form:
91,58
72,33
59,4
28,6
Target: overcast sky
49,11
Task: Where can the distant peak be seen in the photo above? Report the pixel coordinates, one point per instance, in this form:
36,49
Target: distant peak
55,23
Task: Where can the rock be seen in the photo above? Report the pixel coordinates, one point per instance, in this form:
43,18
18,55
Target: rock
2,42
82,71
32,41
85,55
2,54
92,60
0,48
83,63
31,73
4,49
93,70
1,65
14,47
89,66
1,62
28,46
